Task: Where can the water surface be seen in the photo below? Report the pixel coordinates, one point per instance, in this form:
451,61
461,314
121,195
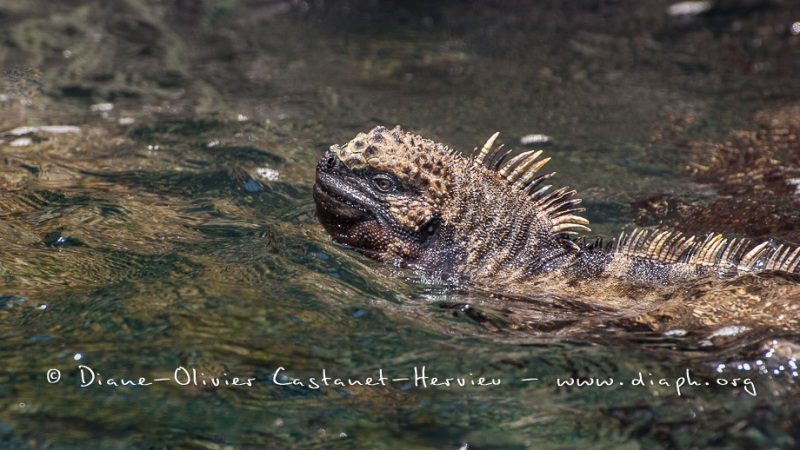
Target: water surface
166,229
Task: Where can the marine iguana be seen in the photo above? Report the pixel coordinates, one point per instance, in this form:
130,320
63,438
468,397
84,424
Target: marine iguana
403,199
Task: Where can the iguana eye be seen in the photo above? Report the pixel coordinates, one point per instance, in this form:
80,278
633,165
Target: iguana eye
384,183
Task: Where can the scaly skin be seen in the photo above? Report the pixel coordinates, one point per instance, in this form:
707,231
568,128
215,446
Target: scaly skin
402,199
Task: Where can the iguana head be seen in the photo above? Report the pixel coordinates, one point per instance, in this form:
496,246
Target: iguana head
400,198
382,193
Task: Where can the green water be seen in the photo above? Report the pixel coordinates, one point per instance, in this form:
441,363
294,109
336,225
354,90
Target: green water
172,236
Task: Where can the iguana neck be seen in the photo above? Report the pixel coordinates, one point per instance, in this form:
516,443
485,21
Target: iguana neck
506,236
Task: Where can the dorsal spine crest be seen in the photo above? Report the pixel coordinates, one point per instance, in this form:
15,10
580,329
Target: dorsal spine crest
714,251
521,173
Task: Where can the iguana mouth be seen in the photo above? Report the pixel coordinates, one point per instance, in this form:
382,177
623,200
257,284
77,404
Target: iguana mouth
345,212
334,197
331,204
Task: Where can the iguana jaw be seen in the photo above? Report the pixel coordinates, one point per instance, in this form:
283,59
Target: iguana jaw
331,191
341,209
358,217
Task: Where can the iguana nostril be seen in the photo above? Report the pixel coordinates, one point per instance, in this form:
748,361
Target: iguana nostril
330,161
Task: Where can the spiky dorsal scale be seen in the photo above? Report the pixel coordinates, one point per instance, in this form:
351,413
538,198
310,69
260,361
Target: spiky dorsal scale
520,173
790,261
518,164
486,148
715,252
